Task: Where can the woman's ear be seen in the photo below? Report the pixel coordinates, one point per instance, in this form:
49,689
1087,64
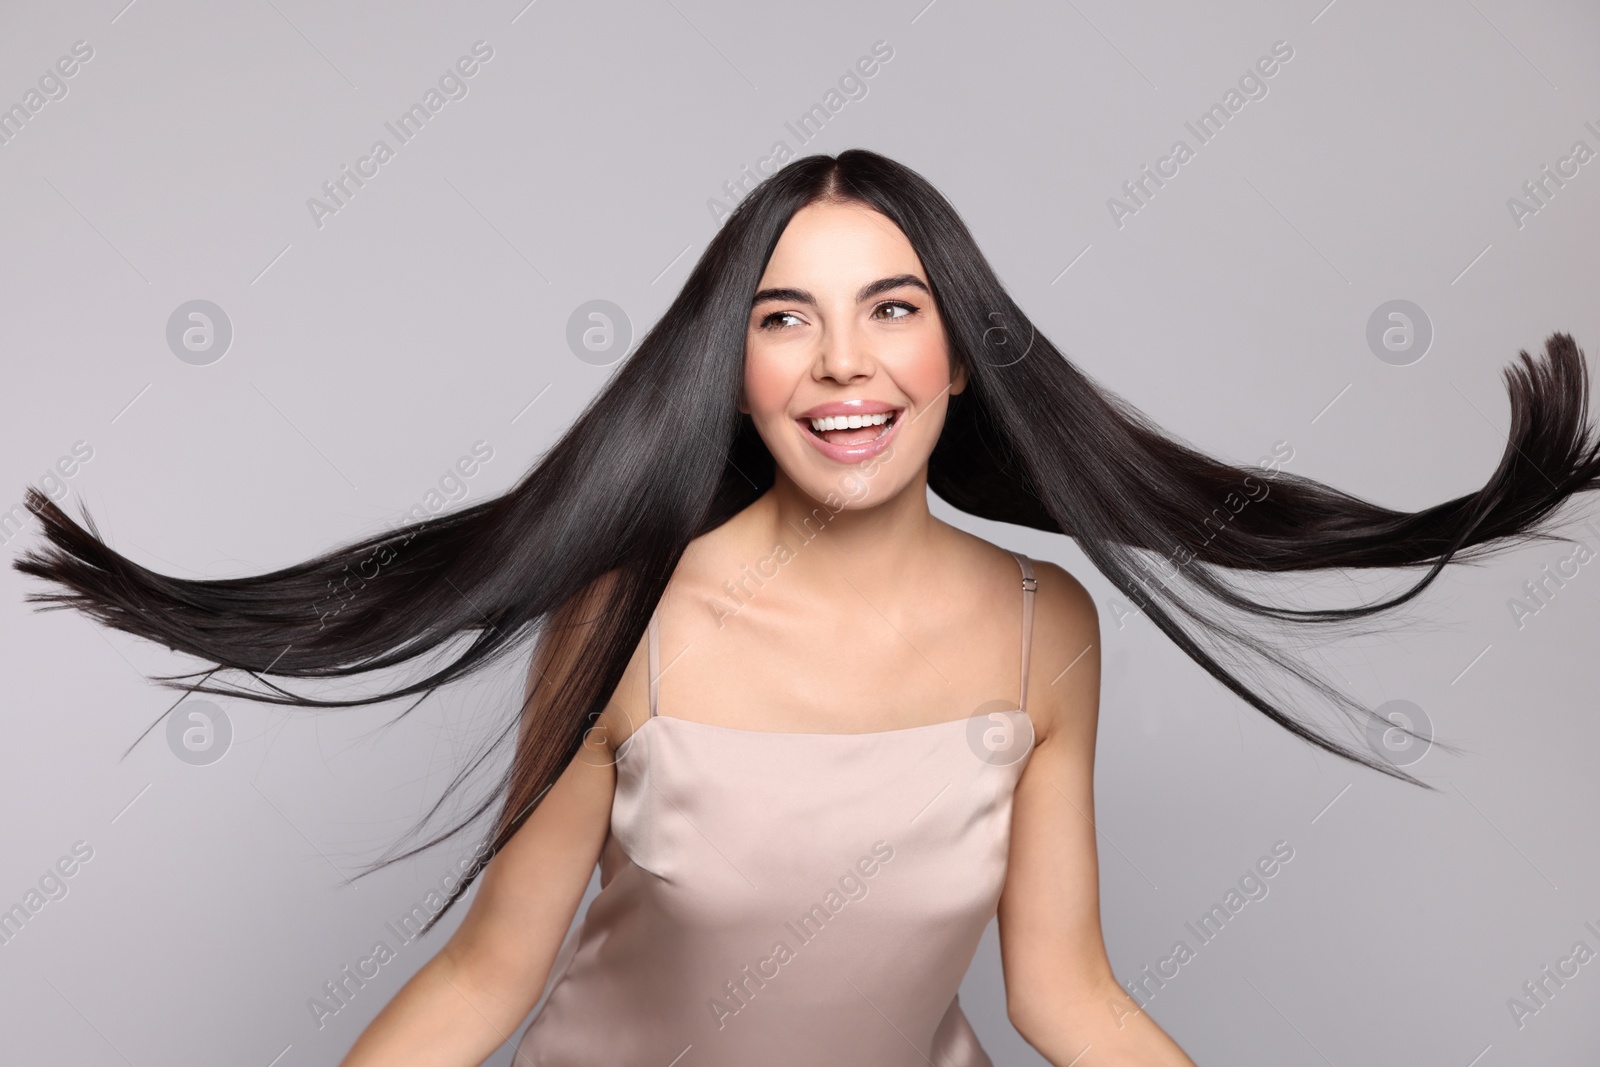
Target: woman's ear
958,379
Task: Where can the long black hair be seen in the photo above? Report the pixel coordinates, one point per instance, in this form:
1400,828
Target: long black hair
597,526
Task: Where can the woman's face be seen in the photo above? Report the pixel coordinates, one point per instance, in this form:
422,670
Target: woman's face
843,327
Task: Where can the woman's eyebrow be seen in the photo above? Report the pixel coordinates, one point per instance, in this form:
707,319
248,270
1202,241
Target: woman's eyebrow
867,292
883,285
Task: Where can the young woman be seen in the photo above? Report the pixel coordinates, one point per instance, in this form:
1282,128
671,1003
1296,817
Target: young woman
815,737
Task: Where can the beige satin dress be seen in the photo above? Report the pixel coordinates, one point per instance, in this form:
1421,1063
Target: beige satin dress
775,899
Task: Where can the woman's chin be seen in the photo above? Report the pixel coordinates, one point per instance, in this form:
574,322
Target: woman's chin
851,489
848,486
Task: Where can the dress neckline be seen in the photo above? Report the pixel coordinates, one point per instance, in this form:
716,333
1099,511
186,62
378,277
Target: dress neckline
791,734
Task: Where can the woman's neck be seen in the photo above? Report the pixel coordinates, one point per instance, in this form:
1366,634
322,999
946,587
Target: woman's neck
882,543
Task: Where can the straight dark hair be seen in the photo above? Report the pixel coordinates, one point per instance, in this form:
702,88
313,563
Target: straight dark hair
597,526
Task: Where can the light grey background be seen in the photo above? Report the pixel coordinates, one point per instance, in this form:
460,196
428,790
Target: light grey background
431,311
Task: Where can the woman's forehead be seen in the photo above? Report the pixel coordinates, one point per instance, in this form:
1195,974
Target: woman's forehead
840,248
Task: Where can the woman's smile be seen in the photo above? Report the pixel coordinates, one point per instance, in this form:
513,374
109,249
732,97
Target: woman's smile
850,431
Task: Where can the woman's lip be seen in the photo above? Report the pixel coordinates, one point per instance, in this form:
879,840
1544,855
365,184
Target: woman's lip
856,453
847,407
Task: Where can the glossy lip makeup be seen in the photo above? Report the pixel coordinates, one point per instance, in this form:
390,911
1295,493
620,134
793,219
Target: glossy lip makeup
859,451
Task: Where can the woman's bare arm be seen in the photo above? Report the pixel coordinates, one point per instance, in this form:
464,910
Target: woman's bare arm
1061,993
469,999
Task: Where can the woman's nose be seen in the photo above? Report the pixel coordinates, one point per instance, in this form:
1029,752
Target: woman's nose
843,357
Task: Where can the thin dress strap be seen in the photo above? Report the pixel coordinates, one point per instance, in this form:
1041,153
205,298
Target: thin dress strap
1029,584
654,643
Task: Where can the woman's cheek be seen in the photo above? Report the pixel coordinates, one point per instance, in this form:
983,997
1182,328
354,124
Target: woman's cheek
926,375
766,387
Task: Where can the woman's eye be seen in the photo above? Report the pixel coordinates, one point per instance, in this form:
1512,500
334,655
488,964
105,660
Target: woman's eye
771,321
900,305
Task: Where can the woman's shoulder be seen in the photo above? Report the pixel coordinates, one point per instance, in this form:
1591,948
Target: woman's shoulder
1061,600
1058,593
1064,671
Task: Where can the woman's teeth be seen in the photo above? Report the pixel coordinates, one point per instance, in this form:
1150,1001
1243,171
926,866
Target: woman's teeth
849,422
